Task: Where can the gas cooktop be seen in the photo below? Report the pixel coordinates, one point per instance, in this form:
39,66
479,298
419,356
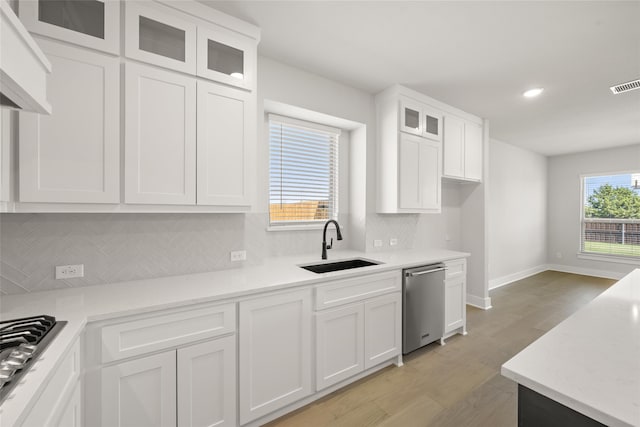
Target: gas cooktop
22,341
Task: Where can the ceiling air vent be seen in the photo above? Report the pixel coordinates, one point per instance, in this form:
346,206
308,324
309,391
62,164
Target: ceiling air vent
625,87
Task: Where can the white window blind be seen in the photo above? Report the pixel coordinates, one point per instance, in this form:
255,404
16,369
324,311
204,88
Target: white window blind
611,215
303,171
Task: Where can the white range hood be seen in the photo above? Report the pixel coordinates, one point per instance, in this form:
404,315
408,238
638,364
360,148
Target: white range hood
23,66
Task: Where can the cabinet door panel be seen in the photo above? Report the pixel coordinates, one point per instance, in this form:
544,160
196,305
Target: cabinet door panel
225,129
432,123
140,393
473,151
72,413
72,155
411,118
383,329
430,175
92,23
453,147
454,303
155,34
160,136
339,344
207,383
409,172
275,352
226,57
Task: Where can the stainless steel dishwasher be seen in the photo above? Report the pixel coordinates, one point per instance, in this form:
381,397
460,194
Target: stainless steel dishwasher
422,306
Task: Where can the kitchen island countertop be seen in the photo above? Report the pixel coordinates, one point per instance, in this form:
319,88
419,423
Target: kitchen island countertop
591,361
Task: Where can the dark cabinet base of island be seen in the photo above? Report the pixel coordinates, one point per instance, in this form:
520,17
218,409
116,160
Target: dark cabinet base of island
535,410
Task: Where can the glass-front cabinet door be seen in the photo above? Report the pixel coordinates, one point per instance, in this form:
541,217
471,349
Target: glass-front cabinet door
226,57
154,34
90,23
432,120
411,119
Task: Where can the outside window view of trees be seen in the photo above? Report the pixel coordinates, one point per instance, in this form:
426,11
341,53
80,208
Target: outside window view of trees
611,219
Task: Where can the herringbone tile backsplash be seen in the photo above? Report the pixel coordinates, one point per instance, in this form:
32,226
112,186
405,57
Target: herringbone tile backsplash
113,247
120,247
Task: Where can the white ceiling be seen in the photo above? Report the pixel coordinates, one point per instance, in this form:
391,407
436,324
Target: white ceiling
479,56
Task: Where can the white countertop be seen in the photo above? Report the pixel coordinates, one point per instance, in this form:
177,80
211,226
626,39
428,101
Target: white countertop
93,303
591,361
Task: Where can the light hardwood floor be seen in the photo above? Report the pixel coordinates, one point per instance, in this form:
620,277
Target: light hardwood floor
459,384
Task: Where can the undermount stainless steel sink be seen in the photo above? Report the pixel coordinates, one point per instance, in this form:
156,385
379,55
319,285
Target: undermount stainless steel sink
346,264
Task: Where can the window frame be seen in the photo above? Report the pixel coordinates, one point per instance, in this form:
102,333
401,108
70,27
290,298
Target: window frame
595,256
292,225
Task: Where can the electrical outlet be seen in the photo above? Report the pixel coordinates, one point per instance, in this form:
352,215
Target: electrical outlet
238,256
377,243
69,271
393,241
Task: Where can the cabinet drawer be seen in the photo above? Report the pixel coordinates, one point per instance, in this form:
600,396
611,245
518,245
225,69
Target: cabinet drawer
455,268
166,330
49,405
349,290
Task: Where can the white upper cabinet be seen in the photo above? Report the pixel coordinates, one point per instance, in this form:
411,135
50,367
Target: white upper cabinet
462,149
409,162
90,23
226,123
160,36
160,136
73,155
473,151
432,123
420,119
163,36
419,174
453,147
411,118
226,57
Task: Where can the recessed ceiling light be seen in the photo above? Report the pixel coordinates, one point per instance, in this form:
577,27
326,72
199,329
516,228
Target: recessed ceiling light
532,93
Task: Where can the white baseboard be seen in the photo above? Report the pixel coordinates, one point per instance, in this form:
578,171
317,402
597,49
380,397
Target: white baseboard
510,278
587,271
483,303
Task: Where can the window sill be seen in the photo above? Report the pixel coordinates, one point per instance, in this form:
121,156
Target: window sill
307,227
609,258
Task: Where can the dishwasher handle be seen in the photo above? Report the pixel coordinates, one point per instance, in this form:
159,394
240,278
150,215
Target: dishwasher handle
420,273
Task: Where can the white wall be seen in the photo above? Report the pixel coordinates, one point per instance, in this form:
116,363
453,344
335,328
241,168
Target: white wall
564,200
282,84
517,213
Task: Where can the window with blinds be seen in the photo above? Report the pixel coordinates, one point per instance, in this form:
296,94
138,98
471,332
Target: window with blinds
611,215
303,172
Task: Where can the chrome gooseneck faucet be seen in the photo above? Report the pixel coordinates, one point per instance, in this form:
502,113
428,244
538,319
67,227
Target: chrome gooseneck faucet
324,237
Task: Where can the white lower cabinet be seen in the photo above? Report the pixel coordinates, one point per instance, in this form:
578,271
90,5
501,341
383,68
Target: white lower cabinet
382,329
454,307
194,385
455,295
207,383
72,413
58,401
275,352
339,344
360,335
140,392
